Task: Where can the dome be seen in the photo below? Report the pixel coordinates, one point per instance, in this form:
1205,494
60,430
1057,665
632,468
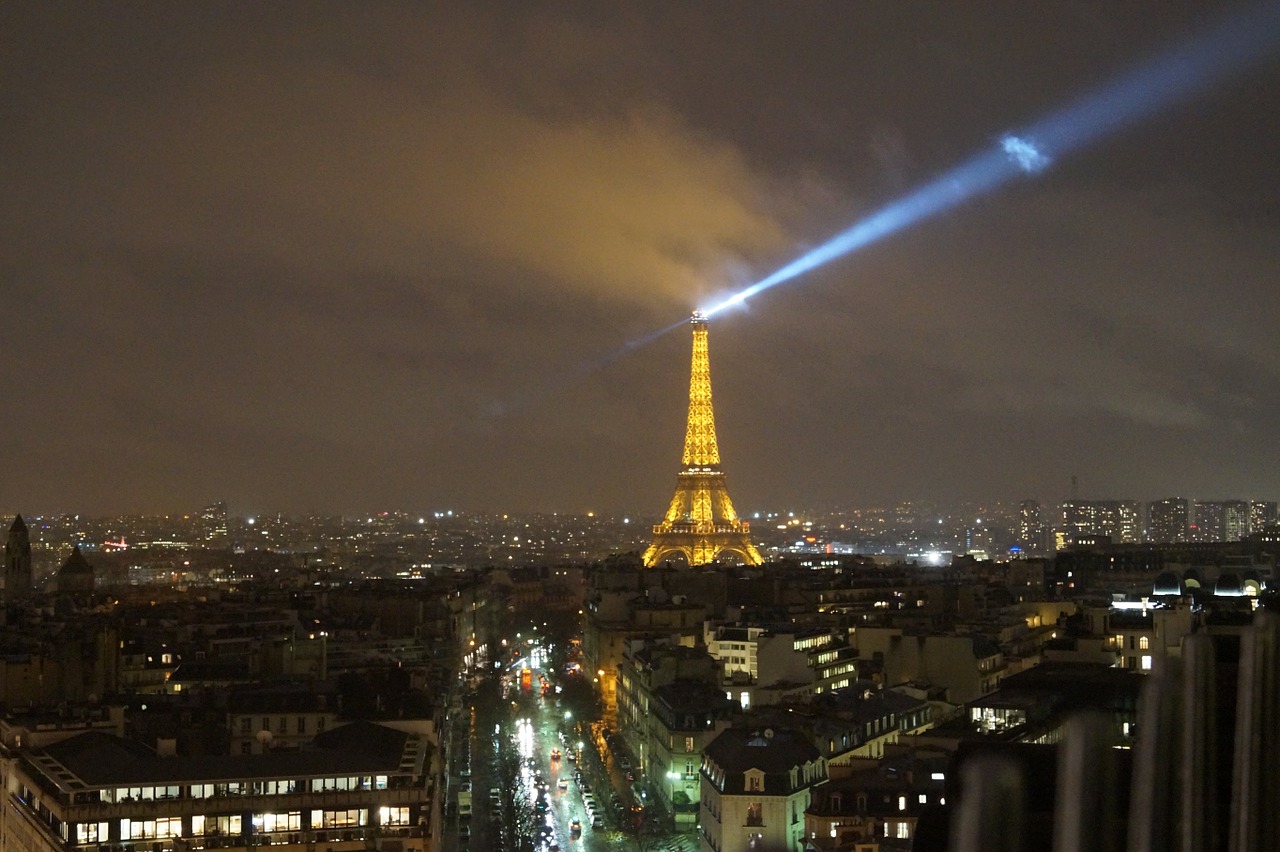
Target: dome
1167,584
1228,585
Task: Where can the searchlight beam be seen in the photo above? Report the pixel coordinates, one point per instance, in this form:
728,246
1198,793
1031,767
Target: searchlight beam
1182,72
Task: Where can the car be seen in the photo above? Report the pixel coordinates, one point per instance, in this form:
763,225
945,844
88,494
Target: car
555,754
563,784
464,834
624,764
575,826
586,788
596,822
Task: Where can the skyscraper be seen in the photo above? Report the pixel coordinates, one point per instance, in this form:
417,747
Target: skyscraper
1030,527
1235,519
1262,514
1119,519
1207,523
1167,520
213,526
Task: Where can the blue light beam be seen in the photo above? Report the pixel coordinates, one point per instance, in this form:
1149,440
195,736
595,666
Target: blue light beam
1180,73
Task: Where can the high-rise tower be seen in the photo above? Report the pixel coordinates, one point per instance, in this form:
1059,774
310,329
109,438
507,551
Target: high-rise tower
17,563
701,522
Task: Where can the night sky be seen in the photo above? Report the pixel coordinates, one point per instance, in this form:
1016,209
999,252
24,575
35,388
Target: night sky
347,257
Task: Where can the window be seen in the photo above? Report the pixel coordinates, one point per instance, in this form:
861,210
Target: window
266,723
688,744
393,816
338,819
224,825
246,726
290,821
1143,643
282,725
302,724
755,814
1146,662
142,829
91,832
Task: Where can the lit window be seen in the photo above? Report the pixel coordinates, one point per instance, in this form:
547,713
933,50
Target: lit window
393,816
1146,662
1143,644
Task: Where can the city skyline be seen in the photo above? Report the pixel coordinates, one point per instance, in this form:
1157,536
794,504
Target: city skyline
309,258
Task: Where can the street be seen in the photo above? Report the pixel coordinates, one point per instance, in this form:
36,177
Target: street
536,785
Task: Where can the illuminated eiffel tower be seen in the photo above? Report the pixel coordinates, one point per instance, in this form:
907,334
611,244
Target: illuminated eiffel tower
701,522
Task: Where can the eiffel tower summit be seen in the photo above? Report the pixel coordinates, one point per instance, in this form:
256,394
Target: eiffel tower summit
701,522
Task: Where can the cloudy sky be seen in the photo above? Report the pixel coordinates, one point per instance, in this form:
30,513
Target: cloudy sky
343,257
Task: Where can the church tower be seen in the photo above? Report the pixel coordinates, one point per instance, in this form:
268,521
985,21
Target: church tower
701,522
17,563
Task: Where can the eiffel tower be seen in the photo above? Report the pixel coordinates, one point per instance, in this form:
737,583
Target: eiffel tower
701,522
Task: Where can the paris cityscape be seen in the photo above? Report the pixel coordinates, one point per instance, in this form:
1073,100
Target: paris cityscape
494,675
364,488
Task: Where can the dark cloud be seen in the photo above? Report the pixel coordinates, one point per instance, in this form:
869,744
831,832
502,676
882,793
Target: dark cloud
338,257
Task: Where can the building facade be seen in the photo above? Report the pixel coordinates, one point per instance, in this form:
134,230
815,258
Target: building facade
363,786
755,788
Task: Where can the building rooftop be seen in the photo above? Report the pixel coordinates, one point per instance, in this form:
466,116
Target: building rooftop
97,759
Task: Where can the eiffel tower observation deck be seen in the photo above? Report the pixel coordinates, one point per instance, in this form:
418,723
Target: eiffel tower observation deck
701,523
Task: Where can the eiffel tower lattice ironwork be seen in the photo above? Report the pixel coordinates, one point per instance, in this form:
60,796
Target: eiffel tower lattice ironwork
701,522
